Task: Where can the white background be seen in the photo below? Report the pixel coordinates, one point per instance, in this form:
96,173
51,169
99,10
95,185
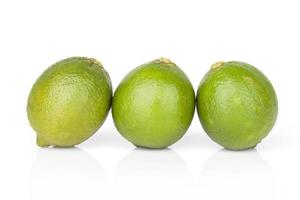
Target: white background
123,35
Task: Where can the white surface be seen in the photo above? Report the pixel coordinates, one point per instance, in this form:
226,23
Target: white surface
123,35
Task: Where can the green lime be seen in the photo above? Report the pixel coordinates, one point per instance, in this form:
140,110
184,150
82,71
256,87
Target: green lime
154,104
69,102
236,104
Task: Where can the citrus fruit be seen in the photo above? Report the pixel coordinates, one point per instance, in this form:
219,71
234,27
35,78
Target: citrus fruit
154,104
69,102
236,104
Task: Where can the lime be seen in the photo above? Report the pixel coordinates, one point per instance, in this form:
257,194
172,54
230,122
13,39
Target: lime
154,104
69,102
236,104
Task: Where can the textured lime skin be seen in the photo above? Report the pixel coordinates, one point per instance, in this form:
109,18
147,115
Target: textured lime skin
69,102
237,105
154,104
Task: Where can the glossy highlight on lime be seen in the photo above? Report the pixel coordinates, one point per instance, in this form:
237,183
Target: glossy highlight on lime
69,102
154,104
236,104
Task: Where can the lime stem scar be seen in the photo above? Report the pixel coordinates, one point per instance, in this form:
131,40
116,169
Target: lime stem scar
217,65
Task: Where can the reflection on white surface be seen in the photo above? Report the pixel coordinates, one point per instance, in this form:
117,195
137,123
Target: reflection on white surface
238,175
66,174
154,172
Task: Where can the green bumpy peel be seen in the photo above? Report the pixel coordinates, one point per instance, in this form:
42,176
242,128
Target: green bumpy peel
69,102
154,104
236,104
